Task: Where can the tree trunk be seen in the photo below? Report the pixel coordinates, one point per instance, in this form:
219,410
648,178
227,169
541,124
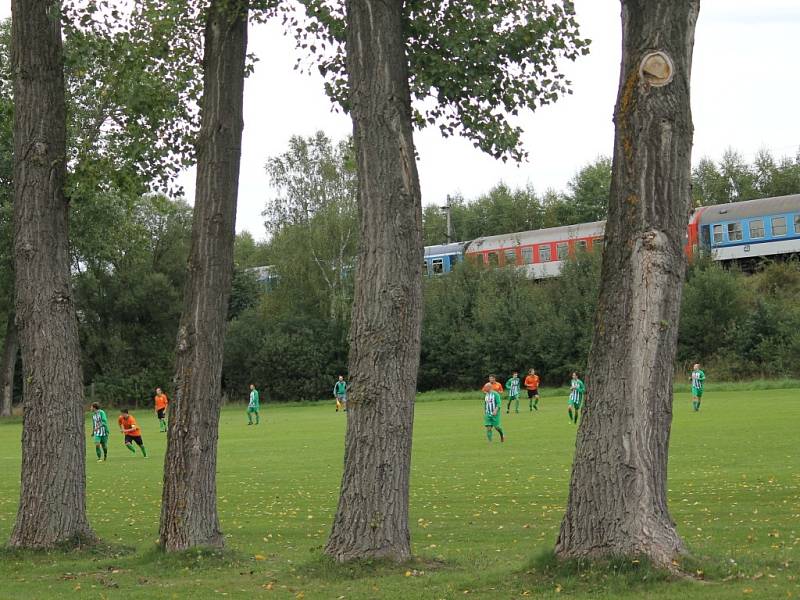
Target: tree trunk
372,517
52,508
618,492
189,500
10,350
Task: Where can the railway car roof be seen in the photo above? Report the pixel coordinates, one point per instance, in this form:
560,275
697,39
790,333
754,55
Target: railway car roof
750,208
443,249
539,236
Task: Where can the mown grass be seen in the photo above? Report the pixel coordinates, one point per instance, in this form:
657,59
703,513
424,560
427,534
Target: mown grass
484,517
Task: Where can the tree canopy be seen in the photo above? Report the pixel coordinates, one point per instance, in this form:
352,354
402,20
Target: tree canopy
472,65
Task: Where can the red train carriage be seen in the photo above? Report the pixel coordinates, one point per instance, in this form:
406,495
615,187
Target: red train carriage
541,253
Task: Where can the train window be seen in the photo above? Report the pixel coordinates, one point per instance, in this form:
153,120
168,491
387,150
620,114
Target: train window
438,265
425,270
756,228
527,256
778,225
599,241
562,250
493,260
717,234
544,254
580,245
797,223
511,257
734,232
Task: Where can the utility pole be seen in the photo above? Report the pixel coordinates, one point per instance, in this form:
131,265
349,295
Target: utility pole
446,210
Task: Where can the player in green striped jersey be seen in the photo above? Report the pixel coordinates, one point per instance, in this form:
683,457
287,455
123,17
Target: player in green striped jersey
492,402
100,432
575,402
698,380
512,387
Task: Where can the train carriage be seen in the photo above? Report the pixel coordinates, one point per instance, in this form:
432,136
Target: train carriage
540,253
442,258
749,229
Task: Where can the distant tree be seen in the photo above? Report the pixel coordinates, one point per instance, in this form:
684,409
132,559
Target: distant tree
129,258
588,190
52,507
315,207
776,177
248,253
617,503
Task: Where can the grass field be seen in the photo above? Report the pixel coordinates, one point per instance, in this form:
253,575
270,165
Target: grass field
484,517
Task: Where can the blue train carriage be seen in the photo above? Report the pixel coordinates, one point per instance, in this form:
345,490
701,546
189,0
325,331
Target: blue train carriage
751,229
442,258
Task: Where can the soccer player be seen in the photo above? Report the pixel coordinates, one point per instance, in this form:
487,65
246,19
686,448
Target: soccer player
698,379
576,391
128,426
491,413
161,408
532,385
253,405
100,432
340,393
512,386
494,384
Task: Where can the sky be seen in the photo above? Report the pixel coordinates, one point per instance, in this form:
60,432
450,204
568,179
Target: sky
744,90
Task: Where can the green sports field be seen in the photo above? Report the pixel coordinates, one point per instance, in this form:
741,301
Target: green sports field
484,516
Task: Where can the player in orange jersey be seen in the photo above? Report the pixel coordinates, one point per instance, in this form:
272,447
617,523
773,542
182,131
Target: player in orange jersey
161,409
129,427
532,385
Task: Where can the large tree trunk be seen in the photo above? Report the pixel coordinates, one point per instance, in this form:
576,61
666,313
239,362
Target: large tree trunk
189,500
52,508
372,517
618,494
8,368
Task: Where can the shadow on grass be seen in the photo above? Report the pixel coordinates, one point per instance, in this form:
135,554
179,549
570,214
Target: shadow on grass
325,568
623,574
197,558
73,550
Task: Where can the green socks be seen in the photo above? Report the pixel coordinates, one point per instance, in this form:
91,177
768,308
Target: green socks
489,434
536,404
98,452
696,405
162,425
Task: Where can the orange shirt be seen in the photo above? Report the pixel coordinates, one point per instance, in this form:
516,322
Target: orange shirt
532,382
161,401
496,386
128,422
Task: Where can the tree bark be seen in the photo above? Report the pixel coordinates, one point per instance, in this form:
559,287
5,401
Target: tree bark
8,369
372,516
189,500
618,491
52,508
